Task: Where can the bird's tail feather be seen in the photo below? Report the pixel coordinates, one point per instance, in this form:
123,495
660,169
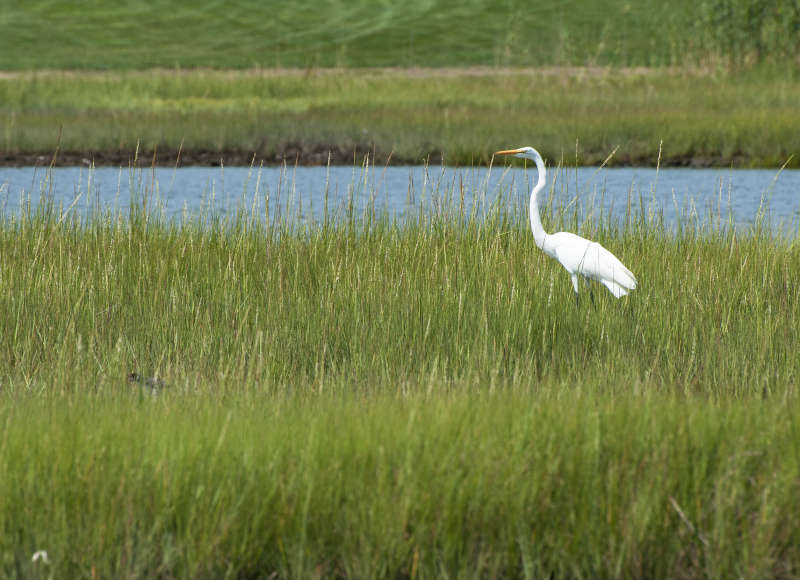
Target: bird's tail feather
628,280
616,289
624,278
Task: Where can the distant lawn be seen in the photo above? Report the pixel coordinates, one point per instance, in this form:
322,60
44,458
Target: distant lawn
160,33
135,35
743,119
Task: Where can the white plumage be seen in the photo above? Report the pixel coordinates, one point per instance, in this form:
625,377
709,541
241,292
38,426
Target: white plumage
579,256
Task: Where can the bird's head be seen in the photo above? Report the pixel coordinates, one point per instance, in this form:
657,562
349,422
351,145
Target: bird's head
523,152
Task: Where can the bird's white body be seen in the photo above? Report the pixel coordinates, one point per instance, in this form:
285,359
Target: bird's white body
579,256
591,260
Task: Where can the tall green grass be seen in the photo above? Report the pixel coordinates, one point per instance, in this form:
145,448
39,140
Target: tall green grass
471,485
156,33
378,397
371,300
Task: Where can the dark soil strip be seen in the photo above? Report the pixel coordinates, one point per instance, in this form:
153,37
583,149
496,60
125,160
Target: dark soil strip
308,155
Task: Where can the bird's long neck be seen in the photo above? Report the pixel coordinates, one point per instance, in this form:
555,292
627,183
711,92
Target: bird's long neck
536,222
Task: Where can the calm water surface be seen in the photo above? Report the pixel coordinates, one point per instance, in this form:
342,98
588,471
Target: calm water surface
300,193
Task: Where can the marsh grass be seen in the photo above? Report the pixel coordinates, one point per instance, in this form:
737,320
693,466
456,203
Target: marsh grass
457,292
378,397
745,119
455,484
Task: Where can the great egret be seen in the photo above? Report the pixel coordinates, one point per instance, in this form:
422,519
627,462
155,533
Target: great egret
578,255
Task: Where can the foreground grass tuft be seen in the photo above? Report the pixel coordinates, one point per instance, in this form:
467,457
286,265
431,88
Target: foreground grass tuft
473,485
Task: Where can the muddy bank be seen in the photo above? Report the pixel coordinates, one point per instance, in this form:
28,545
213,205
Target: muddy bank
294,154
311,155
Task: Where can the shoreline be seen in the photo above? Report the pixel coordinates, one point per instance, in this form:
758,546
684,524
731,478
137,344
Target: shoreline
574,116
321,155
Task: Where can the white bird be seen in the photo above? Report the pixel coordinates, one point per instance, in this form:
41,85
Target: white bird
578,255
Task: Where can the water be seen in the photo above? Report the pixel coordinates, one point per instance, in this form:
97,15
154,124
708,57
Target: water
738,195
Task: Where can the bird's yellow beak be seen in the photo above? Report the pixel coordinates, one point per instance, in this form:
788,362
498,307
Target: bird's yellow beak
508,152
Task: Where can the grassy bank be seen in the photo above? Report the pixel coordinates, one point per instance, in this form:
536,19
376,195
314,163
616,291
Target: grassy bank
378,398
158,33
746,119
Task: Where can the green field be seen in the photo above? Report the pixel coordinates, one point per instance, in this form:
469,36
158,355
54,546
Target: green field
42,34
374,397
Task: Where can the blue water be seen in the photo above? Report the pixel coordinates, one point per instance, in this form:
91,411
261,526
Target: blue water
735,195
